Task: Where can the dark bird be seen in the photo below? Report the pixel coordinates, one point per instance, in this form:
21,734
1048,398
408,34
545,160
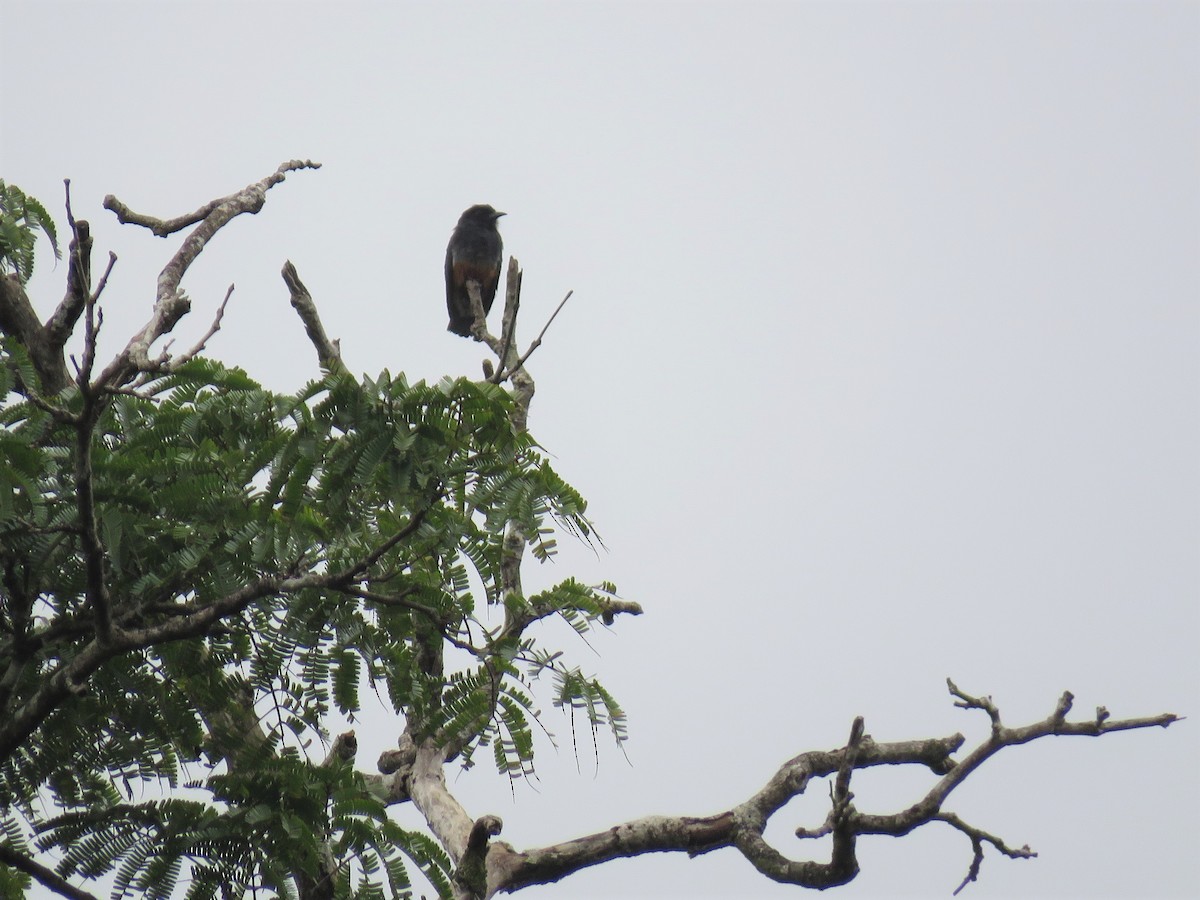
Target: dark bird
472,255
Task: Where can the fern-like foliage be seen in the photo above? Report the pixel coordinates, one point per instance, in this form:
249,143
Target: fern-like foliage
21,217
194,766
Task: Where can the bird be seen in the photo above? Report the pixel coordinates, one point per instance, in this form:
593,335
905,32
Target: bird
473,254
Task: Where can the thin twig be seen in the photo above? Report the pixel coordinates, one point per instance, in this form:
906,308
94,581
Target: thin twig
70,215
112,261
199,346
978,836
537,342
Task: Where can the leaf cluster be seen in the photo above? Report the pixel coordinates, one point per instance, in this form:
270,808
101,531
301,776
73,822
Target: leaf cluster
21,217
386,502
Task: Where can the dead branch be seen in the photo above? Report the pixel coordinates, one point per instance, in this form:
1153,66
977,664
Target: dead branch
45,343
978,838
743,827
171,304
329,353
164,227
199,346
537,342
160,227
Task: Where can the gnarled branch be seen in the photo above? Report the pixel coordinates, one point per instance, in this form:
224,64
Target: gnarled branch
743,827
171,304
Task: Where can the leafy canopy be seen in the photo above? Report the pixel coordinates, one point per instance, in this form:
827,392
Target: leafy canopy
205,483
21,217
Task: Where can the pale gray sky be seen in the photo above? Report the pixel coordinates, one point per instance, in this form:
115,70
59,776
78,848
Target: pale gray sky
882,364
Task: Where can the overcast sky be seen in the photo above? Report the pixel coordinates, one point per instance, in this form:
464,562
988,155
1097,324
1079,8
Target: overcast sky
883,364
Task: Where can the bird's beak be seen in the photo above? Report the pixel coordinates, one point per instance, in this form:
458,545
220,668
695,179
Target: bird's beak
499,214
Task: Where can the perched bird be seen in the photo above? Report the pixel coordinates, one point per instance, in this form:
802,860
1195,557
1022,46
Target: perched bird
472,255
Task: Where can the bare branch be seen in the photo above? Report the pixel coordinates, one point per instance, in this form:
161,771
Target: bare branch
978,837
103,283
160,227
329,353
966,701
508,327
744,826
92,320
537,342
164,227
171,304
199,346
502,346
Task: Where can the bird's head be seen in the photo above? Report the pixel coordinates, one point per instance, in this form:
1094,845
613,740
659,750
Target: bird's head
480,214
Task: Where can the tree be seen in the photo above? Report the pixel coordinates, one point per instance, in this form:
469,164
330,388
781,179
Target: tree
196,571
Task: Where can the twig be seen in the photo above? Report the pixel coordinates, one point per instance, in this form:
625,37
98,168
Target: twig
346,577
198,348
57,412
841,787
70,215
978,836
966,701
537,342
103,283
